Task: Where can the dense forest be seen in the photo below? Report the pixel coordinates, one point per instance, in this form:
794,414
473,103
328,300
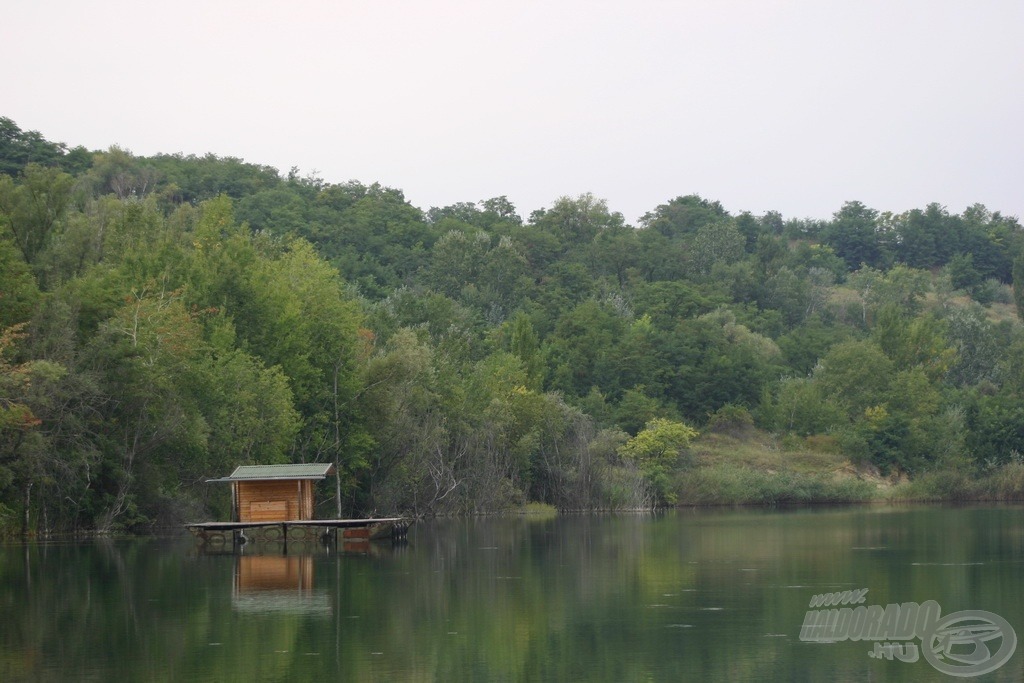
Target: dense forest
167,318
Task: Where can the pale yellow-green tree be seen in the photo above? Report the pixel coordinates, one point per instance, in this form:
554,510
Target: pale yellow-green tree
657,450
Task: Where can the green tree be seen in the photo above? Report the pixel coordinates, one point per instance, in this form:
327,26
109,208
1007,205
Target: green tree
993,240
800,406
525,345
191,179
34,207
918,342
456,261
715,243
119,172
854,235
804,345
716,361
927,239
911,431
146,356
613,253
281,210
789,294
448,324
978,346
14,414
377,239
576,221
856,375
996,428
19,294
661,258
657,450
1018,284
302,320
411,465
249,408
636,408
666,302
581,348
683,215
20,148
902,287
20,468
497,210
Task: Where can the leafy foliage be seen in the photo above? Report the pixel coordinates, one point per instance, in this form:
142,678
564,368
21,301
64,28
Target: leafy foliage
169,317
656,449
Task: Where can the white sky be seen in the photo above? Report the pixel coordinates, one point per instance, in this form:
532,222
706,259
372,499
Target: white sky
795,106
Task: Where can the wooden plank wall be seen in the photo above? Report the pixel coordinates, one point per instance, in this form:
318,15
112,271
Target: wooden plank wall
268,501
306,498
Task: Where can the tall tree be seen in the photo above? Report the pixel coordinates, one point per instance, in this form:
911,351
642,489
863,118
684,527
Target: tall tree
34,206
576,221
19,148
854,235
683,216
146,356
1018,284
19,294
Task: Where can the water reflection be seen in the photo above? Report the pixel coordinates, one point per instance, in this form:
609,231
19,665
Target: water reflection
299,541
708,595
274,583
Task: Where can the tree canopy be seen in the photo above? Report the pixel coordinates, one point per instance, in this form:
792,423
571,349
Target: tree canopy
167,318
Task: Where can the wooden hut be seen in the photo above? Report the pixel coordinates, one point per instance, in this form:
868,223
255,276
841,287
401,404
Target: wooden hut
274,493
278,498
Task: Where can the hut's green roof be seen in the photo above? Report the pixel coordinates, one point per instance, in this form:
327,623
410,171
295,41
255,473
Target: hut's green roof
261,472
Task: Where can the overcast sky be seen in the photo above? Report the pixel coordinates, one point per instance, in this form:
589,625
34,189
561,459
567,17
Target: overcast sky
795,106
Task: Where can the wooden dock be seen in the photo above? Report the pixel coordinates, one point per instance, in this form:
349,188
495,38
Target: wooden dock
216,533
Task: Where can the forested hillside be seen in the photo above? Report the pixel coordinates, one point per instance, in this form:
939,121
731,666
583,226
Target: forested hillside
168,318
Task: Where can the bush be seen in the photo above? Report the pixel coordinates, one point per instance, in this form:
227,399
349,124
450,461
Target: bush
947,485
819,443
733,485
1006,483
732,420
626,488
8,522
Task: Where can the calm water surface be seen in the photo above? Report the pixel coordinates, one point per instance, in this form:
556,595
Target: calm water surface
685,596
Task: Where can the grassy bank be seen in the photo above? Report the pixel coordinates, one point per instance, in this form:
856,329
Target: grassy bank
1004,484
755,468
733,485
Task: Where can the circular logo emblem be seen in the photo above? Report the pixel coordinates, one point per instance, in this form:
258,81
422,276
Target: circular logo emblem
960,644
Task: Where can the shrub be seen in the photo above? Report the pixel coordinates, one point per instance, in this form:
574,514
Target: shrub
732,420
730,484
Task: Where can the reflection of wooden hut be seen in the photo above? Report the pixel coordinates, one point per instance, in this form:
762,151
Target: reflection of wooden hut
284,584
270,572
274,493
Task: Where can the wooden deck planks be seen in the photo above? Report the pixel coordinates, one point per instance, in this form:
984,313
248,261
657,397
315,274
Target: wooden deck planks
328,523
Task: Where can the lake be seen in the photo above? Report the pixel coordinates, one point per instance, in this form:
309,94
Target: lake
702,595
